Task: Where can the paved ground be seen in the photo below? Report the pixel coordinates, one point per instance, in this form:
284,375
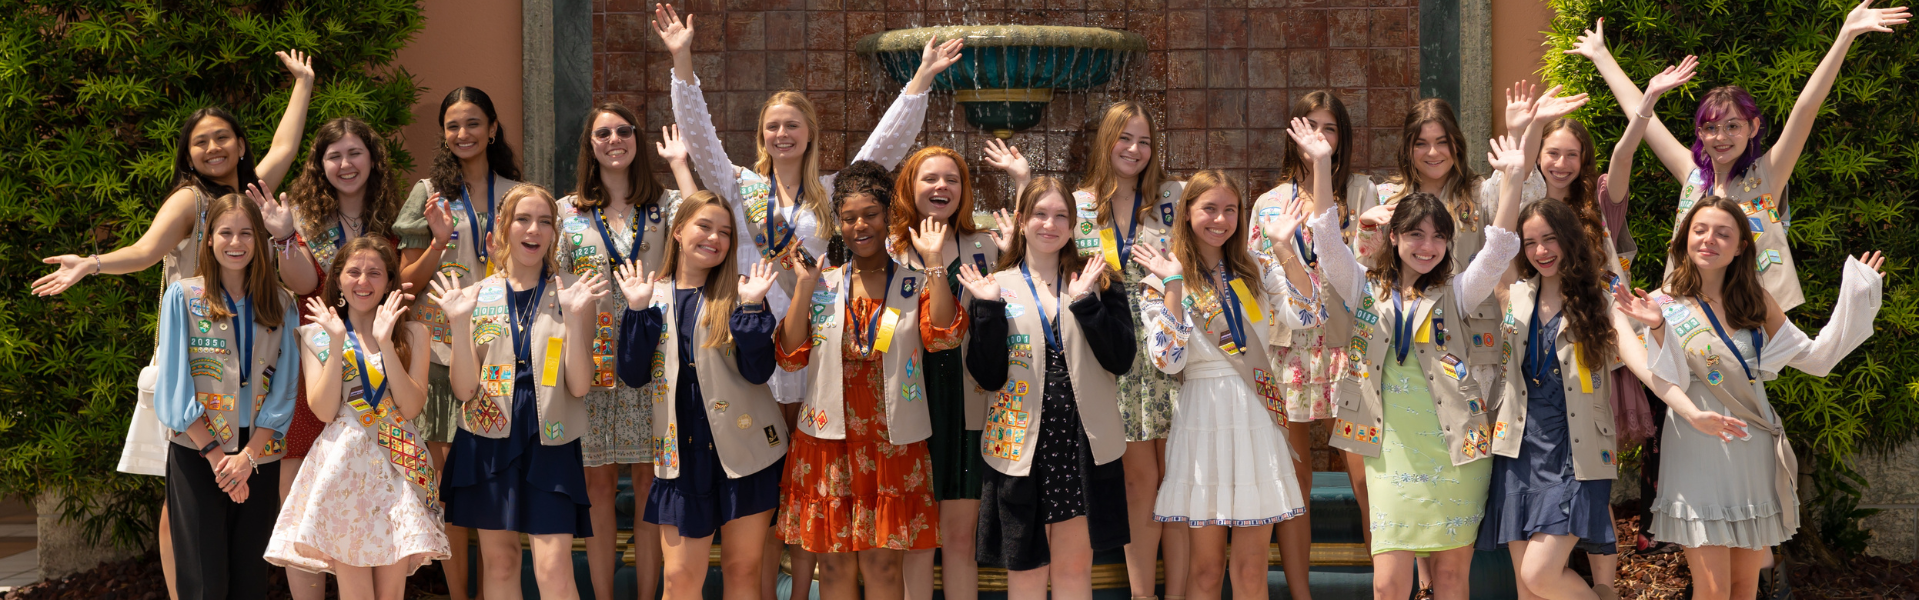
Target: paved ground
19,562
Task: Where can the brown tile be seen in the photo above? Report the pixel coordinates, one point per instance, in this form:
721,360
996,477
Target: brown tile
785,70
1306,68
866,5
634,101
1186,69
1107,19
1066,4
862,24
745,71
599,35
1226,28
831,107
827,70
1066,18
1186,109
1226,149
1386,107
625,72
1350,2
1106,4
1272,3
710,38
658,111
1266,28
1394,27
903,20
1267,109
1147,4
1226,68
1358,104
745,31
1305,29
1150,25
738,145
785,30
1265,149
817,5
1186,149
1394,3
1151,75
1361,143
660,64
1186,29
1347,27
1346,67
826,30
1179,4
1391,67
742,112
1384,143
1266,69
1226,109
710,66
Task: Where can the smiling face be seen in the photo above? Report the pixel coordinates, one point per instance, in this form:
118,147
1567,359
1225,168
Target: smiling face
1726,139
466,130
863,225
232,240
1050,226
613,151
347,165
1433,152
363,281
530,235
214,148
1421,248
1560,159
936,188
1540,246
1323,121
1714,239
1134,149
706,238
784,132
1214,216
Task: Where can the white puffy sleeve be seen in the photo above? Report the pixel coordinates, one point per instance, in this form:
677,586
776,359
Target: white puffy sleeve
1861,291
1481,277
1336,262
703,147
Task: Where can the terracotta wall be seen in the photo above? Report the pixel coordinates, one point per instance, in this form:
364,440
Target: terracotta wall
1221,76
1519,38
465,42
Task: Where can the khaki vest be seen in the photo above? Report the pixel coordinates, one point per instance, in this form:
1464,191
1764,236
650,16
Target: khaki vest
213,359
823,414
1012,431
461,259
1089,234
977,249
184,259
1709,361
584,252
1254,365
1463,410
1470,220
1360,195
757,193
1764,201
406,449
1589,417
748,433
490,413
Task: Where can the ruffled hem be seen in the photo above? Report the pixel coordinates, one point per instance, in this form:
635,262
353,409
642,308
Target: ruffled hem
1751,533
310,559
1228,522
1567,508
1226,461
836,501
812,522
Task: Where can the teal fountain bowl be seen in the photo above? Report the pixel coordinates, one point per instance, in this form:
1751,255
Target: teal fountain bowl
1007,73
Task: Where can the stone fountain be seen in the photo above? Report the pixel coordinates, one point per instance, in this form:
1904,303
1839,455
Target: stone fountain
1008,73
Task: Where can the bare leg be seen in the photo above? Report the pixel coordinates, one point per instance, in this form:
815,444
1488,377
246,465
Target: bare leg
646,538
1248,565
959,569
803,564
553,566
500,564
1541,566
1517,550
686,561
839,576
1423,576
1296,534
1027,585
1071,549
1746,565
602,484
770,565
1142,488
1173,538
301,584
881,569
1208,547
1605,568
166,552
740,557
1451,570
1392,575
1712,577
355,582
389,582
455,564
1356,473
917,571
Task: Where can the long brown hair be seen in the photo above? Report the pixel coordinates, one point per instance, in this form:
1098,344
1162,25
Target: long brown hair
1102,180
1069,259
1583,193
588,191
908,216
815,198
1744,298
1293,168
1414,209
317,202
508,204
722,289
262,273
1457,189
1186,244
330,289
1587,310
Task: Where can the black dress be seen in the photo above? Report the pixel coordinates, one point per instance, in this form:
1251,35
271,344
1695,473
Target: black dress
1064,481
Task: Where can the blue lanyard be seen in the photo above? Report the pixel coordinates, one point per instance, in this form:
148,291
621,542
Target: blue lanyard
1235,315
522,340
773,247
242,329
1306,253
873,328
1045,324
1544,355
1132,232
1756,347
1403,327
606,235
371,393
479,244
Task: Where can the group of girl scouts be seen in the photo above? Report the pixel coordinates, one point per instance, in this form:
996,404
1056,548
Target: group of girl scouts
347,381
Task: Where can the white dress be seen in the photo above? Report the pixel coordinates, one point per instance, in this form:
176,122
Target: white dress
350,507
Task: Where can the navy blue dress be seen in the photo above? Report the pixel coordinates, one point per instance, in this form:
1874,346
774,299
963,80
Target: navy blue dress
1536,491
515,483
702,498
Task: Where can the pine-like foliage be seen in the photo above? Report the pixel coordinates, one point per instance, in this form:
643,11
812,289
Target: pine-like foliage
1850,193
92,93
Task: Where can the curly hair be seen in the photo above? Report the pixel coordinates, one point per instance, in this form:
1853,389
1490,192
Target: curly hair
863,177
1588,311
314,198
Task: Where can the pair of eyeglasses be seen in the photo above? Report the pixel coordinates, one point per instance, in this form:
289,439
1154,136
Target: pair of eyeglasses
624,131
1733,127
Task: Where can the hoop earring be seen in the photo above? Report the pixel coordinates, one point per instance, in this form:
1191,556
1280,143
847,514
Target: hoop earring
489,139
341,301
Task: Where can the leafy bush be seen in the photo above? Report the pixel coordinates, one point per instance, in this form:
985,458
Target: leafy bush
92,94
1849,194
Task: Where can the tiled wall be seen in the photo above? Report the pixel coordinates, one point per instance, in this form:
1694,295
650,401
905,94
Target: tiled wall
1221,74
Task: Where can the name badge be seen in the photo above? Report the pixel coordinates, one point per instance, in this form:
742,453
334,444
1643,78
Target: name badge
887,322
550,375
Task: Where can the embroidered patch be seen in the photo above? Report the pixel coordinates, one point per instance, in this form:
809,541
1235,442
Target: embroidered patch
492,293
666,450
198,306
1715,377
910,392
1014,310
1483,340
772,436
215,401
1453,367
218,426
1343,428
912,365
1165,211
206,367
1372,435
1499,430
1605,457
1476,406
744,422
576,224
908,285
1268,390
1367,316
1006,422
1768,258
204,325
1686,327
555,430
496,381
206,345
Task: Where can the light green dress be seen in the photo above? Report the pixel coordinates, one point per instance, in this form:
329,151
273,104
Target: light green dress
1420,501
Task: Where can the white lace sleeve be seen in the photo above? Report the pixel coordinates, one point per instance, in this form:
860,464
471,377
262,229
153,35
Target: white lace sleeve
1861,290
812,233
703,147
1336,262
896,133
1479,279
1166,339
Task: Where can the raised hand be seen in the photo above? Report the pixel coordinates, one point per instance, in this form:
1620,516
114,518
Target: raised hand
1552,106
276,213
1160,264
1378,216
1520,105
389,314
1874,260
930,241
638,290
439,218
1507,156
1863,18
329,320
1715,424
457,302
678,36
1673,77
808,275
937,56
298,63
1083,281
981,286
671,147
1637,305
1005,226
757,281
1007,158
1291,216
580,298
1592,43
1310,140
72,269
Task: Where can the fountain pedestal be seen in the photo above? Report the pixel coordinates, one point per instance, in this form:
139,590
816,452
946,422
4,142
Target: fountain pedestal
1007,73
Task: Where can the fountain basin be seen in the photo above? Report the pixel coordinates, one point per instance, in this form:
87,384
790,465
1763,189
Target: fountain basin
1007,73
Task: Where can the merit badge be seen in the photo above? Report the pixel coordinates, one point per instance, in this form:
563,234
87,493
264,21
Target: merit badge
492,293
909,285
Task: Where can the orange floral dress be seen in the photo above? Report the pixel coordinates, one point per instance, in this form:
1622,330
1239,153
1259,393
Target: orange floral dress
862,492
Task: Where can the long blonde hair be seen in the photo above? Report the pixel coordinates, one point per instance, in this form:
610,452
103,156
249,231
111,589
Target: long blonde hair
722,291
496,247
1186,244
1102,180
815,198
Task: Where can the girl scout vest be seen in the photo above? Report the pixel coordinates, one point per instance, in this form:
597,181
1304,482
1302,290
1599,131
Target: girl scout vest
748,432
1360,195
471,214
1711,360
588,245
490,414
184,259
824,413
1012,430
213,358
1588,392
405,449
977,249
1211,325
1470,219
1763,202
1456,396
772,229
1093,238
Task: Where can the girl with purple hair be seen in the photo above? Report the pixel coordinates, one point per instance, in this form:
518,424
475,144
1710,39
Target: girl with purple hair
1727,157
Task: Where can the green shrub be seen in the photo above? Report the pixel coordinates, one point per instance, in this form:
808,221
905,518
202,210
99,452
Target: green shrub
92,93
1849,194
